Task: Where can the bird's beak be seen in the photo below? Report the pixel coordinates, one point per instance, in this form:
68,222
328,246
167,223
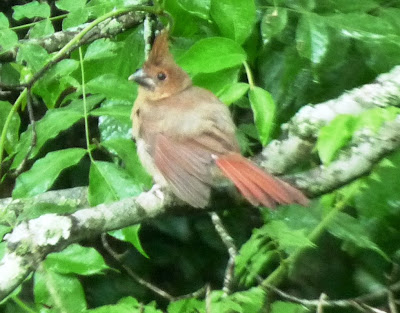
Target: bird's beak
142,79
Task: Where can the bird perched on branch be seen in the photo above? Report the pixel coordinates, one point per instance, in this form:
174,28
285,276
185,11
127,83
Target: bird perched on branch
186,137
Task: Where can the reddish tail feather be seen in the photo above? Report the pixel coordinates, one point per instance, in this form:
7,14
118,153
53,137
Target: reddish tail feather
257,186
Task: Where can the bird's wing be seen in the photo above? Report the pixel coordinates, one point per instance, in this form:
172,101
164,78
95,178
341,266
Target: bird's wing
187,164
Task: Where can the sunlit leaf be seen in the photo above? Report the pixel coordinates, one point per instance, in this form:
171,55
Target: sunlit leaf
211,55
13,127
70,5
264,109
126,305
233,92
101,48
45,171
77,260
109,182
75,18
126,150
199,8
334,136
42,29
63,293
312,37
130,234
288,307
112,86
8,38
273,22
34,55
31,9
54,122
235,18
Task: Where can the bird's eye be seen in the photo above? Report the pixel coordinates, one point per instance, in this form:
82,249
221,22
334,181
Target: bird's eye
161,76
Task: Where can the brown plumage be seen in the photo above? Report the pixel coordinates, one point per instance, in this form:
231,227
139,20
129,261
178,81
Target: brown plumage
186,137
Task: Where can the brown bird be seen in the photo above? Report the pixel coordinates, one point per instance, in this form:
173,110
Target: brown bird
186,137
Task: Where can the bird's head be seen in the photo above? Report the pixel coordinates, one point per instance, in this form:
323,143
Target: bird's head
160,77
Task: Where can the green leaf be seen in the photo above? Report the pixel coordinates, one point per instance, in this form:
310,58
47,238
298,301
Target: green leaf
126,150
350,230
361,26
76,259
287,239
287,307
211,55
126,305
348,6
56,81
4,23
233,92
45,171
101,48
109,182
391,15
186,305
252,300
112,86
42,29
75,18
312,38
381,55
334,136
254,257
34,55
302,5
130,234
380,197
374,118
114,124
3,247
91,102
54,122
273,22
13,127
264,109
31,10
200,8
70,5
4,230
217,81
123,111
62,293
235,18
101,7
8,38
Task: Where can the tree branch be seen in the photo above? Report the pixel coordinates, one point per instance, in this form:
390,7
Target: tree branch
31,241
302,131
107,29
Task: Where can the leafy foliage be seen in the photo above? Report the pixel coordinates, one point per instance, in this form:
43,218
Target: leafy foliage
265,59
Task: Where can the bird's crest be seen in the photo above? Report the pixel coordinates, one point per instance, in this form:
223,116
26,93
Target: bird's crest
160,49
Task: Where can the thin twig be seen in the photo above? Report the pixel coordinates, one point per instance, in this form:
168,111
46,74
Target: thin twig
118,257
132,274
392,302
232,251
358,303
320,306
208,299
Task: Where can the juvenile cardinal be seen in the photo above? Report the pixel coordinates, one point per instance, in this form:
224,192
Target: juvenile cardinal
186,137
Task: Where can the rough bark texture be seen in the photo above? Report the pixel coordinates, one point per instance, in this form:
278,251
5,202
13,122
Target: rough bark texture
107,29
302,131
